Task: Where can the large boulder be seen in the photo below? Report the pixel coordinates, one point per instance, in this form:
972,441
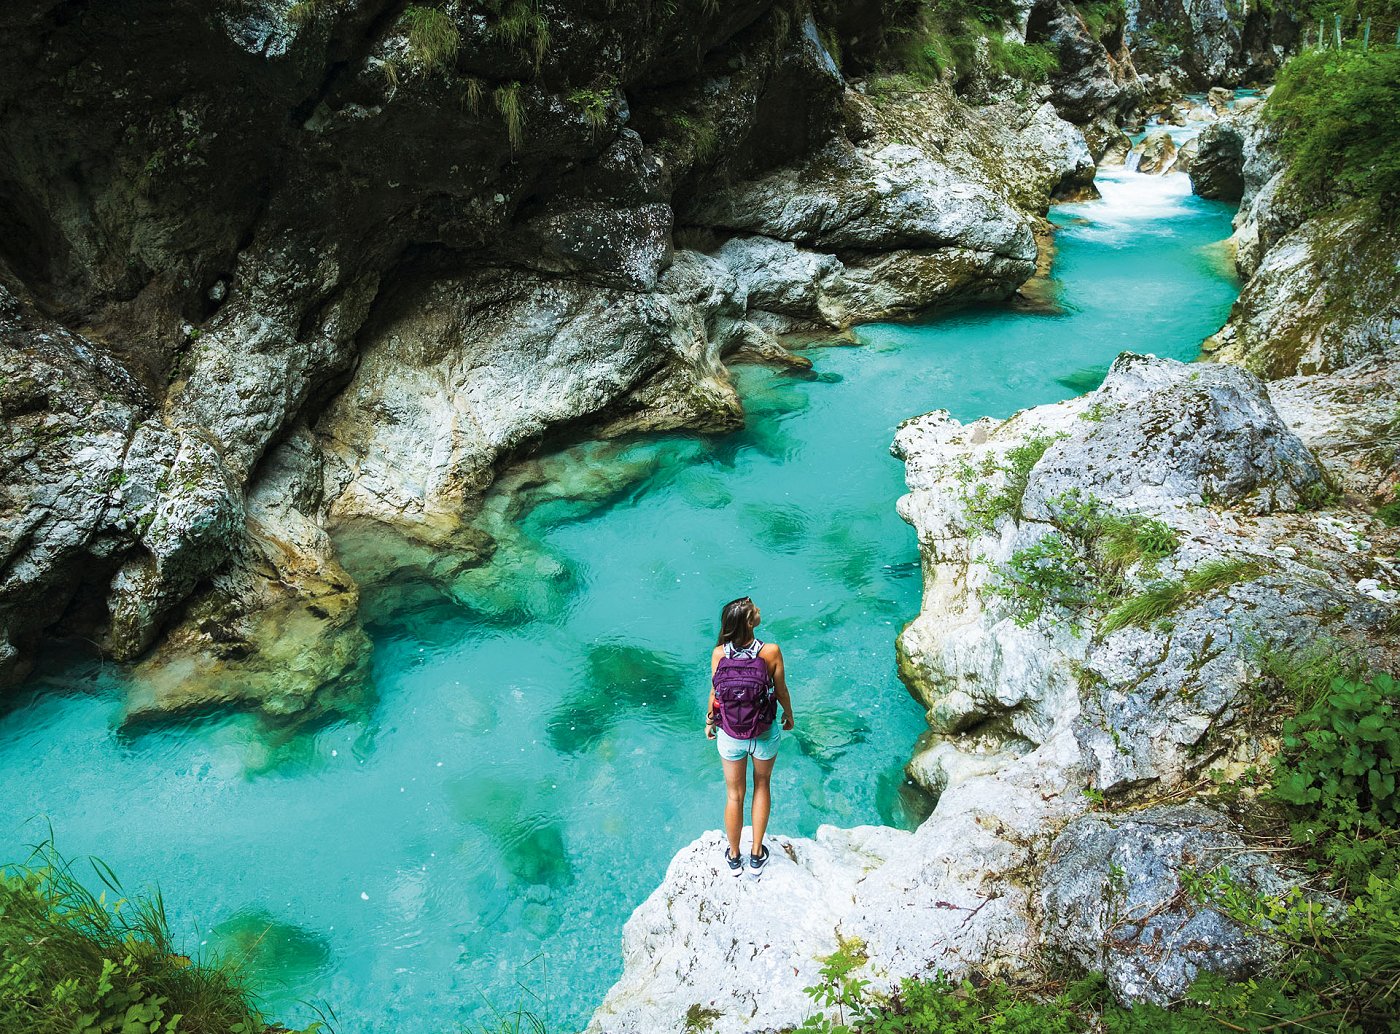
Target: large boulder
1217,171
1114,901
1094,79
861,234
1153,155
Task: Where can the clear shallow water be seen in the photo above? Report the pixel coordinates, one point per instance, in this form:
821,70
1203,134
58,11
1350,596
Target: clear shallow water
533,757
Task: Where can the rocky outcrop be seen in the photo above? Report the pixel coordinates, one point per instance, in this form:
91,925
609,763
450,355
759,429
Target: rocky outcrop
1095,82
1114,903
325,263
1291,317
1028,708
1196,44
810,252
1154,155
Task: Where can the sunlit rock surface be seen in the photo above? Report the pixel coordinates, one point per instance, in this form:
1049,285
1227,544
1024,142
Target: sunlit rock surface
1112,901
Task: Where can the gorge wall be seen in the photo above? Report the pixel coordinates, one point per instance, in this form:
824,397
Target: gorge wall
274,268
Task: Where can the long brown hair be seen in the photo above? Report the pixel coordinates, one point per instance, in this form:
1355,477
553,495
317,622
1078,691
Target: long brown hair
736,621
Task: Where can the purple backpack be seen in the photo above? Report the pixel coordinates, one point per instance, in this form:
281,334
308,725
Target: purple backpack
744,693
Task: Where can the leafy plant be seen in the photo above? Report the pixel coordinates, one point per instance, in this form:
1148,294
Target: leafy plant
1339,769
593,102
1085,562
984,505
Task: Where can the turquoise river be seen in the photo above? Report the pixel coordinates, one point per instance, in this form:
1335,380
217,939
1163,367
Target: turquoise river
531,753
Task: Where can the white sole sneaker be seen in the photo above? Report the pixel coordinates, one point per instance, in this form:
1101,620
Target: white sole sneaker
736,865
757,865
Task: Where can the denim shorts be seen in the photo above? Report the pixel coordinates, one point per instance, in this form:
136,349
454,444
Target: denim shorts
761,748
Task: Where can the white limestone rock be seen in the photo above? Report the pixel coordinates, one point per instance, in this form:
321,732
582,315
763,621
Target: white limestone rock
1024,718
464,371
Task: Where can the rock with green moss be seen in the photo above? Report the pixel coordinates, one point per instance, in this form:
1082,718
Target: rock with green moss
1112,901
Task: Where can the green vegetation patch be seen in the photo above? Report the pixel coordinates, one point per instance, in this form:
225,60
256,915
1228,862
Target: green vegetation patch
433,39
984,505
74,962
1338,116
1085,562
959,38
1162,597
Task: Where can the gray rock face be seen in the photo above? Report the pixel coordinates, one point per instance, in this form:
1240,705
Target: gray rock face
885,229
1291,316
1113,901
464,371
851,200
1095,80
1204,43
1158,439
1169,435
1218,168
100,499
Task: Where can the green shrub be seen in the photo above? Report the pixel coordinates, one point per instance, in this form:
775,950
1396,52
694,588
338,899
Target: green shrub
593,102
1084,563
1051,574
1102,17
520,23
700,135
1389,513
72,962
1338,117
1027,62
1294,678
983,505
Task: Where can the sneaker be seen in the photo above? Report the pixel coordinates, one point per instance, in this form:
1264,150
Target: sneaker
757,862
736,863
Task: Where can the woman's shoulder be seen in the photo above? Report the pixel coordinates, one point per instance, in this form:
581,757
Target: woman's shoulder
769,649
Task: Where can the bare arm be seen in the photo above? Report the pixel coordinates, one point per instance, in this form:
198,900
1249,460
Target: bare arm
775,664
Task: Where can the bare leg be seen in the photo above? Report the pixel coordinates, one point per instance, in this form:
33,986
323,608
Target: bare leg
735,784
762,802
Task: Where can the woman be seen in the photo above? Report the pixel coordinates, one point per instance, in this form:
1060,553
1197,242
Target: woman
747,681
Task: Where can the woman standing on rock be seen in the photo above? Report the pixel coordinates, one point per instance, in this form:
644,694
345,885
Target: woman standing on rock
747,684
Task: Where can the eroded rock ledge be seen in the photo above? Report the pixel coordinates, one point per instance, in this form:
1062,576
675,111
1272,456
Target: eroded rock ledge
317,280
1012,871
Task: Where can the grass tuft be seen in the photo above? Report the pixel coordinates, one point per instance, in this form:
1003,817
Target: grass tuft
433,40
511,105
